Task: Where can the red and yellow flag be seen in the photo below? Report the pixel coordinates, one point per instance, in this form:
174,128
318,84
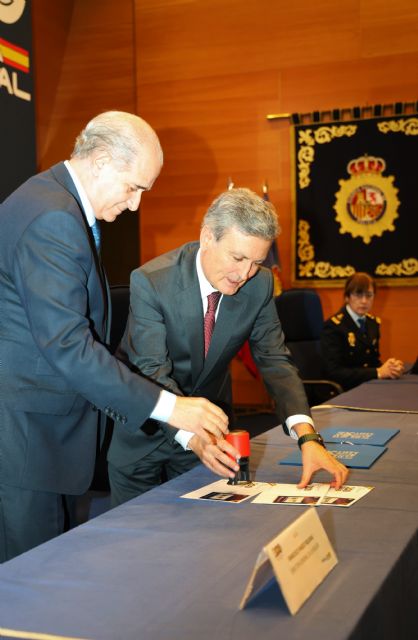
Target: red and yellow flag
14,56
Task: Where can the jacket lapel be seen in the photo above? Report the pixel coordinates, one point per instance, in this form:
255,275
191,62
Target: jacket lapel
62,176
231,314
189,302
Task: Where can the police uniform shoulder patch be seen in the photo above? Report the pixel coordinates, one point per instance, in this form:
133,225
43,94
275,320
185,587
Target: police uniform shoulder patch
374,318
337,318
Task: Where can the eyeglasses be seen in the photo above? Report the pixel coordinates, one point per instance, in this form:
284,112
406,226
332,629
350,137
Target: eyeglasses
363,294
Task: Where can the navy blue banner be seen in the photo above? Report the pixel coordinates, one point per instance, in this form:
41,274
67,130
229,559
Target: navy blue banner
355,201
17,110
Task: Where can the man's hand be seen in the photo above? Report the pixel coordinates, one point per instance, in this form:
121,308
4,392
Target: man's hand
215,456
314,458
199,416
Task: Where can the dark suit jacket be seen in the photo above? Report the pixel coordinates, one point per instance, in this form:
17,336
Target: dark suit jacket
54,368
350,356
164,339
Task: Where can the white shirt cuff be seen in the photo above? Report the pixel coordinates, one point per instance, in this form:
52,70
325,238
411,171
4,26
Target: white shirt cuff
297,419
183,437
164,407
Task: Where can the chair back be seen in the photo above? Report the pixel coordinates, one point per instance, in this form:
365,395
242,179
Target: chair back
301,316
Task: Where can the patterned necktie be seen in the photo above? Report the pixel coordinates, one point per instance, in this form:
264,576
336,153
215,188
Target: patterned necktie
209,321
96,235
362,323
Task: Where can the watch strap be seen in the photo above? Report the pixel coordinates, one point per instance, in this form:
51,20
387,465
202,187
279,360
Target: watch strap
316,437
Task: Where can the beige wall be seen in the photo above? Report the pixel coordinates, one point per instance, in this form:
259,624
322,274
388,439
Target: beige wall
205,73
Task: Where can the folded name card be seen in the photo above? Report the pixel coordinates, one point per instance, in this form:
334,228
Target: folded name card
300,557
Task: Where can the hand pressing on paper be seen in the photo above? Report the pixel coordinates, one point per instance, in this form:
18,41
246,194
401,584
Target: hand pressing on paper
314,458
219,455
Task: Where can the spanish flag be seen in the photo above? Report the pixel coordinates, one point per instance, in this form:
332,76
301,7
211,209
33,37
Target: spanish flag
14,56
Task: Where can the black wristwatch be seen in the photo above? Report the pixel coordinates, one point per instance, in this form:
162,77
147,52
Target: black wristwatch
311,436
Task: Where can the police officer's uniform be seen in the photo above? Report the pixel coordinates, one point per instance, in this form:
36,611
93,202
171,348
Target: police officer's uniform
350,355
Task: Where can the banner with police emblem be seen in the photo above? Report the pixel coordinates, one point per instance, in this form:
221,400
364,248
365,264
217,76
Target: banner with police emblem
355,204
17,111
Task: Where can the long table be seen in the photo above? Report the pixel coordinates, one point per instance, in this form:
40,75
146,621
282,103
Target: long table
395,396
163,568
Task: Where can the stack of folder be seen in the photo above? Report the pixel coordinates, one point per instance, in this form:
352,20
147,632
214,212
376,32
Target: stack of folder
356,448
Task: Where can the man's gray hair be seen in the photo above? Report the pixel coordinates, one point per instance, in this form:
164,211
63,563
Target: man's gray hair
244,210
123,135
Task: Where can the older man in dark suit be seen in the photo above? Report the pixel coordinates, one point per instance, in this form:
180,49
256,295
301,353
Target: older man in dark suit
55,368
166,340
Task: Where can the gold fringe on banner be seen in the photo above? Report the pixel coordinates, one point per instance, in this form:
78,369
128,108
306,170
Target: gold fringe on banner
348,113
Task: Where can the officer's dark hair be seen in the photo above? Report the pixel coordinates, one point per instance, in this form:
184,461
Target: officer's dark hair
359,282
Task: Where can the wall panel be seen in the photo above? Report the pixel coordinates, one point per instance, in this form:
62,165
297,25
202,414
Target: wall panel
209,71
84,53
84,64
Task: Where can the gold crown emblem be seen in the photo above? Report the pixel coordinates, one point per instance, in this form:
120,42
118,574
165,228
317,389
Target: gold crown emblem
366,164
366,203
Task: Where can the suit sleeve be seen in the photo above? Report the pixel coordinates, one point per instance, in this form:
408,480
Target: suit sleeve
144,342
53,271
274,360
145,339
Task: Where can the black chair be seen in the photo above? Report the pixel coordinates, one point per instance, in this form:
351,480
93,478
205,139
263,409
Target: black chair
302,319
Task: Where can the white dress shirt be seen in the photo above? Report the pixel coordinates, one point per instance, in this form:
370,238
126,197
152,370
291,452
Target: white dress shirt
354,315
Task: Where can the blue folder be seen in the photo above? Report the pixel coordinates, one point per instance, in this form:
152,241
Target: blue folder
353,456
339,435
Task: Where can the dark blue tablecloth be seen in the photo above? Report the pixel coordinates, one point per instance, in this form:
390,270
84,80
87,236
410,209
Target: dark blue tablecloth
164,568
382,395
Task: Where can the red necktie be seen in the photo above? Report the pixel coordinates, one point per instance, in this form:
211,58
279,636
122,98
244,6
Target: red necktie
209,321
